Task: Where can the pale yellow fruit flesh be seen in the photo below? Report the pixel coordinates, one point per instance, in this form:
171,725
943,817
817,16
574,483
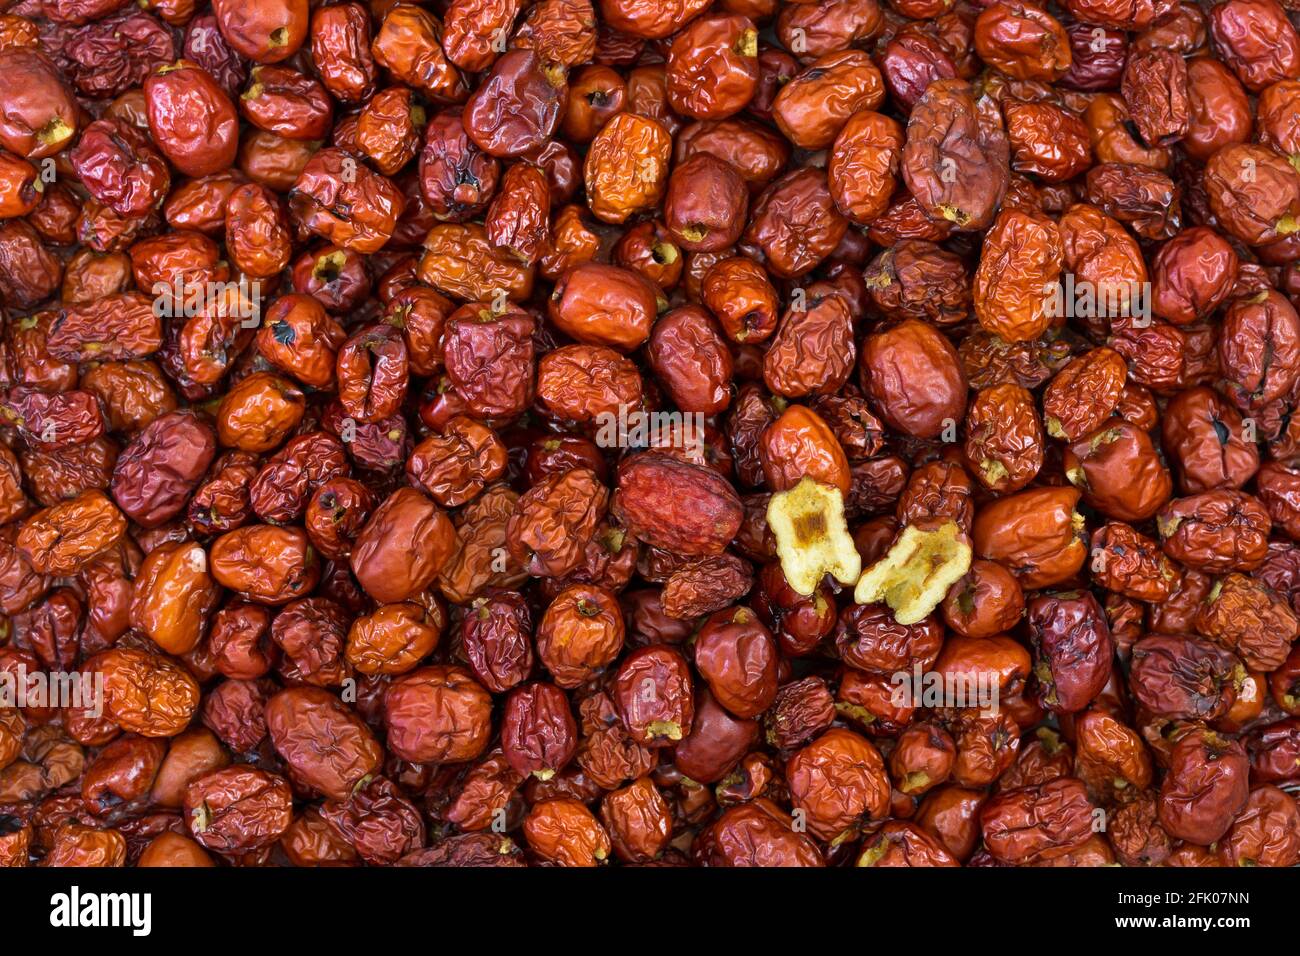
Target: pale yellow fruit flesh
812,537
916,573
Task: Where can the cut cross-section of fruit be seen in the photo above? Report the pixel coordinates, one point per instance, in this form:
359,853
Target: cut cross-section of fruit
812,538
914,576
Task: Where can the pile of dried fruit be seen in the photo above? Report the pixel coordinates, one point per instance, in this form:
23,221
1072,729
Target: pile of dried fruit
657,432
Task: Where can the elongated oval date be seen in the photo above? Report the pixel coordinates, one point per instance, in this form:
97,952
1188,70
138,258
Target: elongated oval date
675,505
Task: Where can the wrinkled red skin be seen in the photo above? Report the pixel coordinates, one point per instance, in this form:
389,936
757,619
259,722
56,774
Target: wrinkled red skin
1036,824
654,696
737,656
517,108
1074,646
1206,786
192,120
755,834
1183,677
538,732
118,165
157,472
699,515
